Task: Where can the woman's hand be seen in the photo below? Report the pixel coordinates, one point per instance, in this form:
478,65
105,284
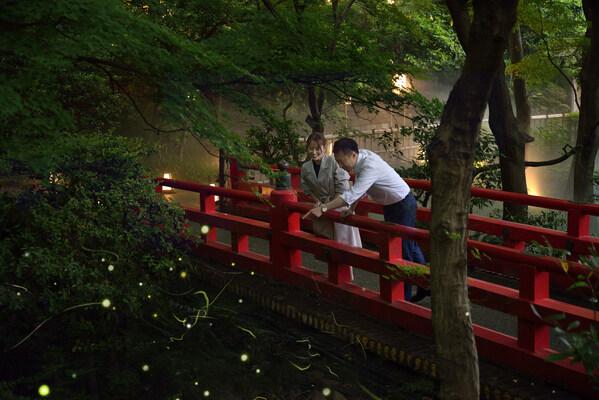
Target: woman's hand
316,211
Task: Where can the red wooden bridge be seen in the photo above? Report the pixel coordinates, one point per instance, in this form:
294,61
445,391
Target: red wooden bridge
275,217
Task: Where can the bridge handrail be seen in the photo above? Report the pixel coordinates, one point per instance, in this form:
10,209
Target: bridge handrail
519,198
211,190
543,263
491,194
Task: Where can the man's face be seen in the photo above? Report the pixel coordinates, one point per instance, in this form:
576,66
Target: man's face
347,161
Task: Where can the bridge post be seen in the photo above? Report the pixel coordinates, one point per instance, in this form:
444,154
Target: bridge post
208,206
391,289
534,285
578,225
281,221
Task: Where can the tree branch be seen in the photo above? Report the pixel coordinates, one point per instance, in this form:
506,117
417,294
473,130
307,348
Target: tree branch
550,58
568,150
133,102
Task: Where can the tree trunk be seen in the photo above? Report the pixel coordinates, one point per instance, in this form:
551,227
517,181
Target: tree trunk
587,139
316,104
511,146
523,111
501,119
451,154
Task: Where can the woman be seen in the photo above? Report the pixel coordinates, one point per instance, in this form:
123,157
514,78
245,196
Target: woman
322,179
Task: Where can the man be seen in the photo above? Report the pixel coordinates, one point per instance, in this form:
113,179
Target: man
382,183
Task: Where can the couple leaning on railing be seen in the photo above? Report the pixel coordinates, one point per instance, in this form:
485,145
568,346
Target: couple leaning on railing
325,179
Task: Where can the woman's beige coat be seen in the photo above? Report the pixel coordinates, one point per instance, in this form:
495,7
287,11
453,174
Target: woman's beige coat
331,181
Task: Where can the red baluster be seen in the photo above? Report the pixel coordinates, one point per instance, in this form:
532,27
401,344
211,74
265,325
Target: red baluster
391,289
281,221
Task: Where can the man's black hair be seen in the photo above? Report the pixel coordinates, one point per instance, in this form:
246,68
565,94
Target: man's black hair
345,146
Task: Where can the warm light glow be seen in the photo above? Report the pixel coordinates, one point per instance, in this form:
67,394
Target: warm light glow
165,189
265,190
401,83
214,185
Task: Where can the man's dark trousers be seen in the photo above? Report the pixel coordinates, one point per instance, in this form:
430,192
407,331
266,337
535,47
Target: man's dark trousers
404,213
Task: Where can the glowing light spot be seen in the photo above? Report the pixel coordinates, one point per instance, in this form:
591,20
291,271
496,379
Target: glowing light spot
106,303
467,313
209,323
111,267
188,326
244,357
171,269
326,392
18,293
258,371
240,301
180,259
44,390
141,283
206,393
149,296
102,259
233,263
183,274
252,273
74,375
196,383
204,229
27,254
55,284
155,315
113,308
145,368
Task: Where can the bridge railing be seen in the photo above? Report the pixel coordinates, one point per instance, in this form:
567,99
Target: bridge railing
576,240
530,303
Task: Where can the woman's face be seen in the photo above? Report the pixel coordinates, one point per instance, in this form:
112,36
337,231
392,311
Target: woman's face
315,150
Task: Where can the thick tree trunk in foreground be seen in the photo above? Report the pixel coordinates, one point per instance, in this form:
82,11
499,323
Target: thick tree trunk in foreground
451,154
503,123
588,122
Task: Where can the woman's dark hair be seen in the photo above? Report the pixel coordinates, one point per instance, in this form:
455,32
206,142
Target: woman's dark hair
317,137
345,146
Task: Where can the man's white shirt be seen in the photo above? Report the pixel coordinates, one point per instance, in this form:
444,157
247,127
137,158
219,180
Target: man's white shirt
377,179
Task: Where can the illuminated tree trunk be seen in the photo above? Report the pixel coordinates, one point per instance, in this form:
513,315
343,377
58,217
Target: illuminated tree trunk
451,154
587,139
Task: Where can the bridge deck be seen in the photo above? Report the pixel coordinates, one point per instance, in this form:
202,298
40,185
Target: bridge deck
396,346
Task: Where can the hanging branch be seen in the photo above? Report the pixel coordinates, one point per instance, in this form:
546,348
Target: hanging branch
568,150
550,58
124,91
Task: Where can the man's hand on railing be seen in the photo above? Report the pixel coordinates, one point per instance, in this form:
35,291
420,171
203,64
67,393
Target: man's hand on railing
347,212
